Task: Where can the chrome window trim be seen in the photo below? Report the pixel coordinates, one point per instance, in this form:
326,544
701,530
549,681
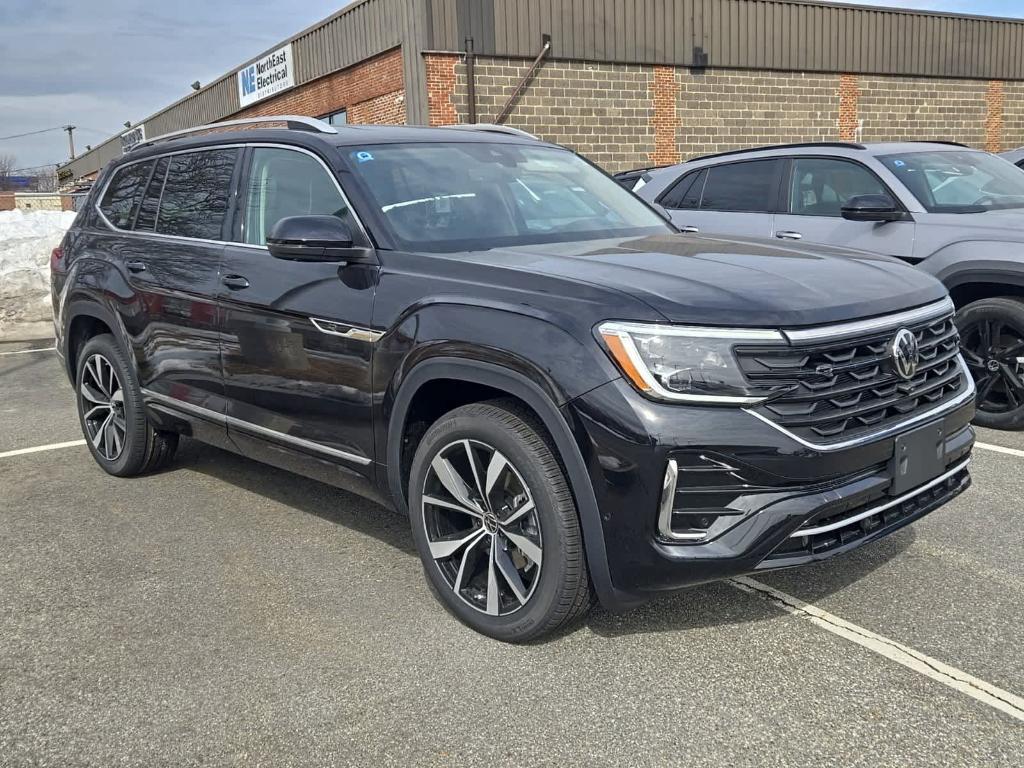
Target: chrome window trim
888,431
859,327
240,145
799,533
231,421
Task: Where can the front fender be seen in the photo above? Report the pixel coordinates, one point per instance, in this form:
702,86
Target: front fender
537,398
977,261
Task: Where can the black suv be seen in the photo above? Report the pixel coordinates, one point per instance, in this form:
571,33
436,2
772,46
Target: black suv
489,334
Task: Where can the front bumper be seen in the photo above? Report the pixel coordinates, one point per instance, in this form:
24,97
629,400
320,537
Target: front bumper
756,497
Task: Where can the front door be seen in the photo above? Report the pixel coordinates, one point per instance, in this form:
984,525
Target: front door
295,335
818,187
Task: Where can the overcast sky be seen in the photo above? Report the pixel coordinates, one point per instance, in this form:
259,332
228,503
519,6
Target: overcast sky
97,63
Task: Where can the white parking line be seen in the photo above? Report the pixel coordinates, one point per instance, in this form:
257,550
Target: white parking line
956,679
1000,449
26,351
38,448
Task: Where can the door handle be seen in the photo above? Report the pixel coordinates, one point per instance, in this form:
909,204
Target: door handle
784,235
136,266
235,282
689,228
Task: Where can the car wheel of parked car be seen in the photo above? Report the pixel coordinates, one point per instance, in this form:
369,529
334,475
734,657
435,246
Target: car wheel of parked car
112,415
495,523
992,340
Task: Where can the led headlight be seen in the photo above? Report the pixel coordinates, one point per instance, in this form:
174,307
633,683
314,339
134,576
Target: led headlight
686,363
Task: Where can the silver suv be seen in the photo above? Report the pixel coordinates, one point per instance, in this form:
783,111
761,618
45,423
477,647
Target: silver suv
955,212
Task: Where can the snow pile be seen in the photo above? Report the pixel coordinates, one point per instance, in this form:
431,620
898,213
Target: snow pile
26,240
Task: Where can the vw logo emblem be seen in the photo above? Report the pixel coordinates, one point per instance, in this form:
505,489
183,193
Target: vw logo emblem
905,354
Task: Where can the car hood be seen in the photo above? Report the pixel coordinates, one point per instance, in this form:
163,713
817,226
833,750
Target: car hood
734,281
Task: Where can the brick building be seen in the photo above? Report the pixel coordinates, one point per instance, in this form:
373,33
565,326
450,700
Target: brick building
635,82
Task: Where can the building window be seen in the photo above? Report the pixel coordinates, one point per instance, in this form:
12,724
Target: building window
337,118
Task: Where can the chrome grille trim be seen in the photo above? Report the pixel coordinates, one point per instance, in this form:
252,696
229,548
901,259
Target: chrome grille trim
874,325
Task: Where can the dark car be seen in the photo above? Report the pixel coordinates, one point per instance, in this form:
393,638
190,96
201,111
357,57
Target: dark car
955,212
566,396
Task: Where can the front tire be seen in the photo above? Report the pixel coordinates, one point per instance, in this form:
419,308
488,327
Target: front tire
992,342
495,523
112,414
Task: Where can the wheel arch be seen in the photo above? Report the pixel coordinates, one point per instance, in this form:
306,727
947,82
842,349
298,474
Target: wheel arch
83,320
509,383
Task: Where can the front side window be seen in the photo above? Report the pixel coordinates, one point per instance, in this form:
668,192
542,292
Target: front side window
479,195
121,200
196,193
750,187
283,182
958,181
821,186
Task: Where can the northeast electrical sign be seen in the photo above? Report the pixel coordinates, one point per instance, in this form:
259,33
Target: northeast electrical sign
272,74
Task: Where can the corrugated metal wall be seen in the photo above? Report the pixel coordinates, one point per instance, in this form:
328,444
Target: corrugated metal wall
756,34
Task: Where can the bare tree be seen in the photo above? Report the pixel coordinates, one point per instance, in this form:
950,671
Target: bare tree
7,165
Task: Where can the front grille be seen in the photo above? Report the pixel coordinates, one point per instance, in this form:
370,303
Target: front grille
845,389
904,511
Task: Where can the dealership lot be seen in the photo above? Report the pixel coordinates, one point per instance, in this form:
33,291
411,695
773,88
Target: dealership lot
224,612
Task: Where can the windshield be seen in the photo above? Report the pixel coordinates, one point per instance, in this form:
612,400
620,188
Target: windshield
475,196
958,181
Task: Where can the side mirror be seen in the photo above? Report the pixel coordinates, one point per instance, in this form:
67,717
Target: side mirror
871,208
312,238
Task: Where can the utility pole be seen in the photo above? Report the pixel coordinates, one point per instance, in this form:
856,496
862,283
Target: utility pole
71,139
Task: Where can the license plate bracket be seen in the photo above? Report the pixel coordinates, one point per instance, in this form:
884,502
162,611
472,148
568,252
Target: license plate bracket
918,456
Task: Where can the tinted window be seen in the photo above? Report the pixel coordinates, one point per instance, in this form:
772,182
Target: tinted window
195,197
145,221
477,194
284,183
123,193
820,187
686,192
750,187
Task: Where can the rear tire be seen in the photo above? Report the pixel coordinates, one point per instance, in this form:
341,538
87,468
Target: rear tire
112,414
495,523
992,341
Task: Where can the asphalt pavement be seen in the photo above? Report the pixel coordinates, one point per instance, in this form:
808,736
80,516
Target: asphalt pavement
223,612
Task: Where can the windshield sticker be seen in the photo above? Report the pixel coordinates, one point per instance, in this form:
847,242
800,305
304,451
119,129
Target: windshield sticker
899,163
364,156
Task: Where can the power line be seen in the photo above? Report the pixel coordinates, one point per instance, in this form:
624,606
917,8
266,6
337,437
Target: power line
32,133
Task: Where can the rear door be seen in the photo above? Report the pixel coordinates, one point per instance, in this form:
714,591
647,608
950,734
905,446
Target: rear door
170,247
816,190
736,198
296,336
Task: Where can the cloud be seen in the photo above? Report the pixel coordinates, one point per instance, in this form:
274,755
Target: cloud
96,64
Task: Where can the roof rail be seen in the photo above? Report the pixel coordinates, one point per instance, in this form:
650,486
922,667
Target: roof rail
645,169
493,128
939,141
294,122
838,144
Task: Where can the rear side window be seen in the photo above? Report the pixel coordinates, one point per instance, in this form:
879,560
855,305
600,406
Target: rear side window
283,182
121,199
196,192
747,187
686,193
145,221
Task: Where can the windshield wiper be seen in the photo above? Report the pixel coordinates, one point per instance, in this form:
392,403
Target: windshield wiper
960,209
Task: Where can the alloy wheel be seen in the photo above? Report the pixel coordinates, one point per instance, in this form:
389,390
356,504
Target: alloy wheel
994,353
102,404
482,527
